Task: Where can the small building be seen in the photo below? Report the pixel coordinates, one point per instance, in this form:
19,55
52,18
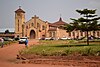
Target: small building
7,32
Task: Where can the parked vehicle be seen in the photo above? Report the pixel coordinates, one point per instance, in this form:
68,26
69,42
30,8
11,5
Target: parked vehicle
65,38
22,40
48,38
16,39
41,38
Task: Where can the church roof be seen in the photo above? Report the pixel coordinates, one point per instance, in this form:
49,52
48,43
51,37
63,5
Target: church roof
19,10
58,23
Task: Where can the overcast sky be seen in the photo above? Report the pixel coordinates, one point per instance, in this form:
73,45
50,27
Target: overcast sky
47,10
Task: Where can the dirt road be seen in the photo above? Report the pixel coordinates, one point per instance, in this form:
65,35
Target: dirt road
8,56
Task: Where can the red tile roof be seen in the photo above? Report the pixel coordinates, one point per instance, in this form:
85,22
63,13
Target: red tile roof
53,26
59,23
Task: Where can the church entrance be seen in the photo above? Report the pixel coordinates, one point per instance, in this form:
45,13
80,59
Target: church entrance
32,34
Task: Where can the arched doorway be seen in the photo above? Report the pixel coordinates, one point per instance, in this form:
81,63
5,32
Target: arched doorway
32,34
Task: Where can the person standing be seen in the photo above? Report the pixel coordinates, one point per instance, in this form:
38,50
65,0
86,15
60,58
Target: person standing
26,43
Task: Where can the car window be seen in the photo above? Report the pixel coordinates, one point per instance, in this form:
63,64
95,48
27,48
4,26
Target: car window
23,38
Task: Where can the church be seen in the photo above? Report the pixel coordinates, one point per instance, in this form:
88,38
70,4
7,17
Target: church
36,28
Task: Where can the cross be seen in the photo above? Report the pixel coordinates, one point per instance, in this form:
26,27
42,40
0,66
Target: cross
60,15
19,7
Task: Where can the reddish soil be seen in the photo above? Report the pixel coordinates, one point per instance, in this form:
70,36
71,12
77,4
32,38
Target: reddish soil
9,53
72,60
8,56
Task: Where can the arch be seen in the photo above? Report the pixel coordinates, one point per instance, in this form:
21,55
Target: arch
32,34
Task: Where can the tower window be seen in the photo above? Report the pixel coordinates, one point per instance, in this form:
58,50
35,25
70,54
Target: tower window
18,26
18,20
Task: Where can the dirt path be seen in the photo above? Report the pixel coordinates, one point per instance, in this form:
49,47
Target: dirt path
8,56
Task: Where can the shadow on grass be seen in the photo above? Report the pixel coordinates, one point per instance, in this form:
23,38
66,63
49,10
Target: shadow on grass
75,45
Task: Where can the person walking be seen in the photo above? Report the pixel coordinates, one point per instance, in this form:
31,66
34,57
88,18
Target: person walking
26,43
2,42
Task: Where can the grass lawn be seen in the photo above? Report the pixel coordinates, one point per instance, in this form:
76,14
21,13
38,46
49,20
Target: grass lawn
7,42
63,48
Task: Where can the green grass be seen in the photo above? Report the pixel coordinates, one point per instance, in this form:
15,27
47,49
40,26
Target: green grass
63,48
7,42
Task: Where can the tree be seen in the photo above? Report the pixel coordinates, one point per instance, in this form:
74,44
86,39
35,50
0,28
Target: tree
7,31
88,22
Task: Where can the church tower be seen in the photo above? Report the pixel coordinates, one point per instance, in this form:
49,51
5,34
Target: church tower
19,21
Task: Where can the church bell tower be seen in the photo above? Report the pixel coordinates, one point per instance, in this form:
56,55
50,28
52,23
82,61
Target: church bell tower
19,21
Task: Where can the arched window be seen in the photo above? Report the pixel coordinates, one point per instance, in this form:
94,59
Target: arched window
73,33
98,33
38,25
50,34
43,27
26,27
53,34
81,33
85,33
32,24
94,33
69,33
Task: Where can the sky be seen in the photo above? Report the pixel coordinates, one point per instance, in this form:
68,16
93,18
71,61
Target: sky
47,10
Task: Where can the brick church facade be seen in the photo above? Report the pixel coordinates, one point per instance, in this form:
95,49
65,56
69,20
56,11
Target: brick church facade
37,28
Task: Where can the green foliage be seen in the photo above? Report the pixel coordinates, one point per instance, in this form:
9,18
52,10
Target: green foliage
7,32
69,27
7,42
86,23
89,22
86,11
